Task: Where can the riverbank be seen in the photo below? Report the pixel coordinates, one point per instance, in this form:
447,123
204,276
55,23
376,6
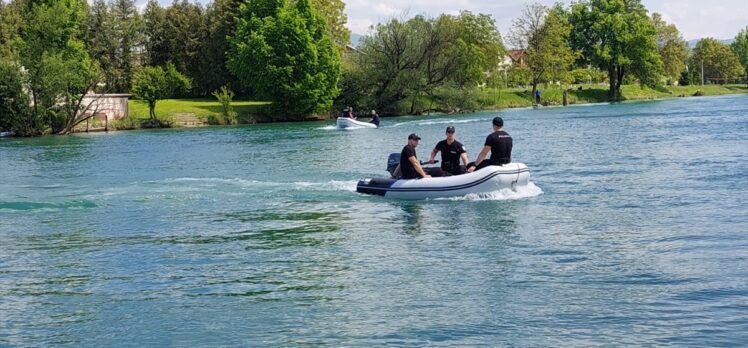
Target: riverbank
209,111
586,94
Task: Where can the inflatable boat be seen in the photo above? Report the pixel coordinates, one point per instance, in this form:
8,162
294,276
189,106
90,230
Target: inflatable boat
345,122
488,179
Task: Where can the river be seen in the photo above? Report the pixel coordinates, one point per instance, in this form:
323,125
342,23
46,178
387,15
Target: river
634,231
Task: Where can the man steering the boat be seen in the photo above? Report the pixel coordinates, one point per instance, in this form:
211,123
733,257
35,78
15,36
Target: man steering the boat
499,143
452,152
410,166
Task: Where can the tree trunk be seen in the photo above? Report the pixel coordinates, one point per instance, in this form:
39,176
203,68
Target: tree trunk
612,76
619,81
534,88
152,110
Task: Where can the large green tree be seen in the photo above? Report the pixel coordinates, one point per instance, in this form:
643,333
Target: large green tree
673,49
716,60
740,47
543,35
617,36
14,102
10,25
439,57
59,71
334,13
283,52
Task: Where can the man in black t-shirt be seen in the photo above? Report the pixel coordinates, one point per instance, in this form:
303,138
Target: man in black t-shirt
499,143
410,166
452,152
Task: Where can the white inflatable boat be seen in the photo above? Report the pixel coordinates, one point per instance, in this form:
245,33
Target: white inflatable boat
345,122
488,179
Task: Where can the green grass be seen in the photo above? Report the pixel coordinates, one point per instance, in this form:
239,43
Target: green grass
553,95
202,108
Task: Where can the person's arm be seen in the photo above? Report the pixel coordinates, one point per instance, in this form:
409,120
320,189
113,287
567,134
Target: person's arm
464,158
396,172
417,166
481,157
433,156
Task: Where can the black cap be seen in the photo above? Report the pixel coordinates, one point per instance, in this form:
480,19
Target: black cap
413,136
498,122
450,129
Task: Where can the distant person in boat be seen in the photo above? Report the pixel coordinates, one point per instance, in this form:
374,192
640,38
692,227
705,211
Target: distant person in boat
410,166
374,118
351,115
499,143
452,152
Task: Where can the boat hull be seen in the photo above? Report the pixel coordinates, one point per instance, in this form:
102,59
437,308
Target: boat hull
345,122
489,179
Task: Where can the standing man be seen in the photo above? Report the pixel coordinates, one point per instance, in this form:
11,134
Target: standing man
537,96
452,151
499,143
410,166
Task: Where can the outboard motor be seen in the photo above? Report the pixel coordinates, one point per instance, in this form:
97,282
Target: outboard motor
392,162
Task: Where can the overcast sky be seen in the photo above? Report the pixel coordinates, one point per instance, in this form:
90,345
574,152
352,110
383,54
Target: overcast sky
721,19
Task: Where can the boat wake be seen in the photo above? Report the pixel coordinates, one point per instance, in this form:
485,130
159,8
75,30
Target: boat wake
506,194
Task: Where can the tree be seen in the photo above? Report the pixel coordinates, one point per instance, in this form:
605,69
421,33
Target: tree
129,33
617,36
336,19
673,49
152,84
284,52
59,70
543,35
718,61
405,60
212,67
14,102
101,41
740,47
10,25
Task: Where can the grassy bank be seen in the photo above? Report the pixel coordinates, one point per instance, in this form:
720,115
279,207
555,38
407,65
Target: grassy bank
202,108
207,109
553,95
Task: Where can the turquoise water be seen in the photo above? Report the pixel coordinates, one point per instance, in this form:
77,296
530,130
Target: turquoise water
634,232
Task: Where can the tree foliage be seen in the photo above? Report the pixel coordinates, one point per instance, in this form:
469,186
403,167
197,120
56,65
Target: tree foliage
59,71
403,61
284,52
673,49
543,35
336,19
740,47
152,84
617,36
14,102
719,62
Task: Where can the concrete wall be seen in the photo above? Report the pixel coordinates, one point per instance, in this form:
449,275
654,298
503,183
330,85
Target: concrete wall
106,106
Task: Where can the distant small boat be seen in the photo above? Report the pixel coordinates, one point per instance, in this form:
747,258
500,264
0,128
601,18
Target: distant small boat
6,134
345,122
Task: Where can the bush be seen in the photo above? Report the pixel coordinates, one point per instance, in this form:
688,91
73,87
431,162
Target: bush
125,123
224,96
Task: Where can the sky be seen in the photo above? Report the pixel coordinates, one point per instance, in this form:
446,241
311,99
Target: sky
720,19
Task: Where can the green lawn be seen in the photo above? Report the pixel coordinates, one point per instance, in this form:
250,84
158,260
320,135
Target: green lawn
202,108
516,97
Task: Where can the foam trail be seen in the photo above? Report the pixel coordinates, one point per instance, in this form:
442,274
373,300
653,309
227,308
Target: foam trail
526,191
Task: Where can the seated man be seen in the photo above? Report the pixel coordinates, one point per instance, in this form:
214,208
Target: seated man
499,143
374,118
410,166
452,152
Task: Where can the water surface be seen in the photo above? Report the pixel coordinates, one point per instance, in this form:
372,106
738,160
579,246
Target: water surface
634,232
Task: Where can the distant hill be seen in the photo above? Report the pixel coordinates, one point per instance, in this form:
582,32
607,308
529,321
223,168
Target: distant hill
355,39
692,43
